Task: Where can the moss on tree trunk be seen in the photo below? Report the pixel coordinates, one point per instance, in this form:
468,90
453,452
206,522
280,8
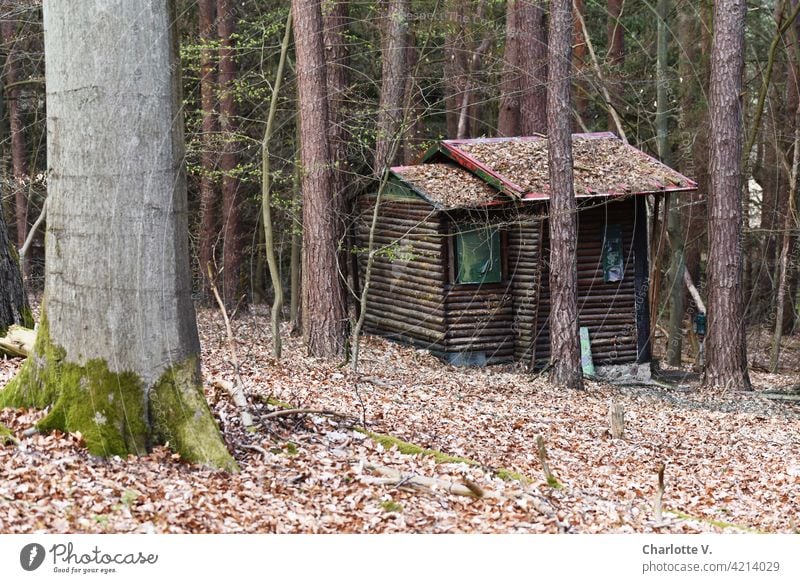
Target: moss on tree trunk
113,411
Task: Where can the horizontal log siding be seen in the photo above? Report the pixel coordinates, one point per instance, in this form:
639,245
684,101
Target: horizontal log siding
607,309
405,301
524,239
480,318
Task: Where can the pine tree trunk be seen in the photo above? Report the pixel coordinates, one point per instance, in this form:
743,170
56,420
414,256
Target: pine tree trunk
508,122
533,66
394,52
564,344
117,352
323,303
455,65
334,20
231,199
579,62
209,196
726,343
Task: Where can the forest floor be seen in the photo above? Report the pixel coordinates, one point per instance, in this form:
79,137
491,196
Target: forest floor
732,460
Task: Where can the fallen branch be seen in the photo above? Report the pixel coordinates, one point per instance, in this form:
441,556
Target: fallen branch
18,341
390,476
322,413
260,450
236,391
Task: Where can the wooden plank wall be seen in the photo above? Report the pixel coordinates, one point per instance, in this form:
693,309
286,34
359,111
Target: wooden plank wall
607,309
405,301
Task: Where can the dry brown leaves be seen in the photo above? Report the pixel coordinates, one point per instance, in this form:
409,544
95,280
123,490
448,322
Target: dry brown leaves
601,166
448,186
729,458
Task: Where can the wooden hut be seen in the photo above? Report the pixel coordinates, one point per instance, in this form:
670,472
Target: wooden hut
461,249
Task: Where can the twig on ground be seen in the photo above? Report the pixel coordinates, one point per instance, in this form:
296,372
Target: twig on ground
237,390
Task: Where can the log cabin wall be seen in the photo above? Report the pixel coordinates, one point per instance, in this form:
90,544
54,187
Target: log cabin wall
608,310
479,317
405,301
525,240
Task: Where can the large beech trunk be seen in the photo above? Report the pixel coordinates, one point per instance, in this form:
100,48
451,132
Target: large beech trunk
117,352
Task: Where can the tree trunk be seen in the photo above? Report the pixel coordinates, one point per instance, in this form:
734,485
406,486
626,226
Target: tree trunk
508,121
393,82
676,291
616,54
209,196
295,260
455,65
579,61
336,62
117,351
231,203
564,343
523,107
323,303
533,66
266,197
19,150
788,225
726,343
13,303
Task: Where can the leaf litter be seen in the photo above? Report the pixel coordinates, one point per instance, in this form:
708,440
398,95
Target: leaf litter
731,459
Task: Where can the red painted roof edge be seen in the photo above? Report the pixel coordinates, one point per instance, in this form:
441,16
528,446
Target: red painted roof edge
449,147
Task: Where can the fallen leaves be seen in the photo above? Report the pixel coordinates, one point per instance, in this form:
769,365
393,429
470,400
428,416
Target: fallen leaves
731,460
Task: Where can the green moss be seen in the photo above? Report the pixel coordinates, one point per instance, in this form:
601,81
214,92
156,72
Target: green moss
180,417
553,482
110,410
27,317
717,523
510,475
129,497
105,407
404,447
391,506
407,448
6,436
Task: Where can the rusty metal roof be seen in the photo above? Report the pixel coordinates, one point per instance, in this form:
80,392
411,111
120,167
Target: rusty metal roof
603,165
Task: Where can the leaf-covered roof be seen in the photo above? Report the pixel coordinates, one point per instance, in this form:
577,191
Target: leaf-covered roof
447,185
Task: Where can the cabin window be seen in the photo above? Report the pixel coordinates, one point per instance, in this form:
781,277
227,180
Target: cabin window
612,254
477,254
